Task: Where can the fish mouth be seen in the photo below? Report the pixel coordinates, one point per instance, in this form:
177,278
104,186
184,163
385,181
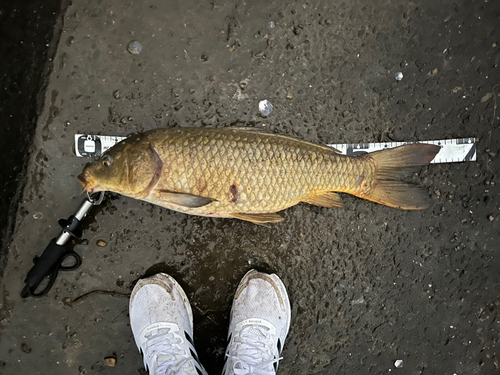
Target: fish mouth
88,183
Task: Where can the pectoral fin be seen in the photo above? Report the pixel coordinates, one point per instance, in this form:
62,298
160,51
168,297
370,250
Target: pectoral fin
328,199
258,218
182,199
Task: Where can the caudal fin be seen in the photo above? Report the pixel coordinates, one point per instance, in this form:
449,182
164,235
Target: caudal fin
394,164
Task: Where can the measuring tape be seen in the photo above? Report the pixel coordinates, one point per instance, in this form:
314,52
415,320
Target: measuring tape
94,145
452,150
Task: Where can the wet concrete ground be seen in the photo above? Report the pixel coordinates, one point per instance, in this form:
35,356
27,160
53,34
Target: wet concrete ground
368,284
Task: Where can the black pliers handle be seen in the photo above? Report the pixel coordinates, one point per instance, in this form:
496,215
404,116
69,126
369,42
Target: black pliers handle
51,261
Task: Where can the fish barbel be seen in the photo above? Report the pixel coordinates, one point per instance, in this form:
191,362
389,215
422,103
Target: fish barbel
244,174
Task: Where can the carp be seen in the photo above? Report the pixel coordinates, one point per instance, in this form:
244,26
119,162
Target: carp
249,175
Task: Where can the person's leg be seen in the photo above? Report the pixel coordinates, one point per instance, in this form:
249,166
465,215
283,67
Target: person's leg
260,319
162,324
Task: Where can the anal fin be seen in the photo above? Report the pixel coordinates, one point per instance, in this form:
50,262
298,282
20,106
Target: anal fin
258,218
328,199
182,199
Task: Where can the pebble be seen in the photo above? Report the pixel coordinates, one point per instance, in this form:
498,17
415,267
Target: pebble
358,301
134,47
117,94
398,76
265,107
487,97
491,217
110,361
101,243
26,348
398,363
272,25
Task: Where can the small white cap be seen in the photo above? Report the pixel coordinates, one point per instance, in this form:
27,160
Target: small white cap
265,107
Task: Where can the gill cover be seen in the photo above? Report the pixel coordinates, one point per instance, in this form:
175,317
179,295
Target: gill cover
144,169
132,167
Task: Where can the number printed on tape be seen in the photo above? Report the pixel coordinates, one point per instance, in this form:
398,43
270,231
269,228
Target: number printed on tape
452,150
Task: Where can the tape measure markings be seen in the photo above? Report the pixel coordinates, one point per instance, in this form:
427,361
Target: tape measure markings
87,145
452,150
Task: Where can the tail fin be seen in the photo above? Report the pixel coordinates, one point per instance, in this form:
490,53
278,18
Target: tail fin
392,165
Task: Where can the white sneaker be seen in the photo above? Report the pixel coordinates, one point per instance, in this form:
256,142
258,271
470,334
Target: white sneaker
260,319
162,324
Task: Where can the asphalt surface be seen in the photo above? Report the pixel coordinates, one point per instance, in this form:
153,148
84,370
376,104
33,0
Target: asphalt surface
368,284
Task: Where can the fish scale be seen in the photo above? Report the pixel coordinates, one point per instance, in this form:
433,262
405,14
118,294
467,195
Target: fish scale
249,175
294,169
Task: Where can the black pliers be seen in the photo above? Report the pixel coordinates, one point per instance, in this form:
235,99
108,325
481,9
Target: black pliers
51,261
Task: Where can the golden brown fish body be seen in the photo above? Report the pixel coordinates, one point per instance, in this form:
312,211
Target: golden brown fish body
249,175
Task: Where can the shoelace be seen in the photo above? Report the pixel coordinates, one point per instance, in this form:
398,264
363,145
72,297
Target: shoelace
163,353
253,352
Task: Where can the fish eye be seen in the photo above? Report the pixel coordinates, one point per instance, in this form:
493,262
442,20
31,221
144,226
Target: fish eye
107,161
